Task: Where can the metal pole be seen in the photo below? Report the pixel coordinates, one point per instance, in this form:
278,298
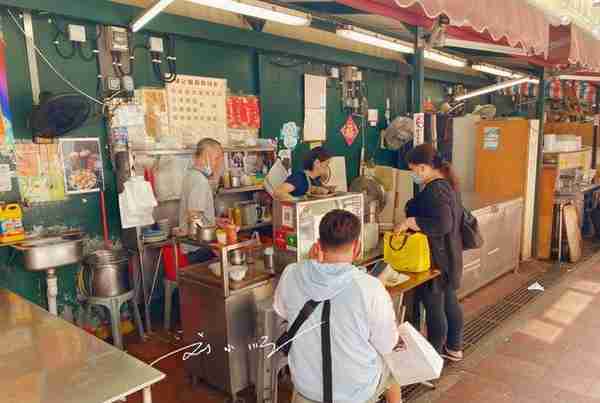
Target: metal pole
540,113
418,81
596,123
34,76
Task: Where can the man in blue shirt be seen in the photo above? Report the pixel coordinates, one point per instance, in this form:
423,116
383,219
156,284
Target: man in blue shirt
362,322
316,165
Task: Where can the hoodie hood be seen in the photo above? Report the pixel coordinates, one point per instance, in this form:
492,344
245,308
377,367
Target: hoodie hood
323,281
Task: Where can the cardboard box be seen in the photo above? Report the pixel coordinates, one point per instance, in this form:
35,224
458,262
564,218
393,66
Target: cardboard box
398,186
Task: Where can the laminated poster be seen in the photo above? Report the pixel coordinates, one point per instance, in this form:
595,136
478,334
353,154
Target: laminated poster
82,162
39,172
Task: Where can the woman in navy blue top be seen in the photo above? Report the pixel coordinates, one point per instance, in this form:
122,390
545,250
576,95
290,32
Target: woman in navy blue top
316,164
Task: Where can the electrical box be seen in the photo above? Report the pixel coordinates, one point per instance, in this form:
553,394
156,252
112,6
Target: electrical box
117,39
127,83
351,74
156,44
112,84
76,33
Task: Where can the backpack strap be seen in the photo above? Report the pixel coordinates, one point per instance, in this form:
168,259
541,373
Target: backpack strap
306,311
326,351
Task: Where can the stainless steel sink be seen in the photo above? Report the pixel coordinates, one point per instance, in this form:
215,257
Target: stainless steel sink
50,253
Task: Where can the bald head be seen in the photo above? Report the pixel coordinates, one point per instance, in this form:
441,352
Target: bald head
206,145
209,157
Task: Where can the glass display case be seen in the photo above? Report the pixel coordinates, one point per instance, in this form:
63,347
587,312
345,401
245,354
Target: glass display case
296,224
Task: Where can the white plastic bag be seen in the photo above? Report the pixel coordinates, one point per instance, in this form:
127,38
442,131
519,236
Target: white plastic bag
169,177
415,360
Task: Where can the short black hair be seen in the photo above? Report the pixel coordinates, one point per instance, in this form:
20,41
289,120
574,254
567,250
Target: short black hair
317,153
337,229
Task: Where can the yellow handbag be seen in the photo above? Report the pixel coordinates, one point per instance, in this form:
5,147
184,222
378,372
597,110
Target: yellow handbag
407,252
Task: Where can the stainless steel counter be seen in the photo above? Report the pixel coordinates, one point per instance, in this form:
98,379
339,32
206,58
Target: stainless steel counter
45,359
474,201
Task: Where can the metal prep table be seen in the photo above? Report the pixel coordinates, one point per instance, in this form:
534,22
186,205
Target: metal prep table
584,197
501,224
220,312
46,359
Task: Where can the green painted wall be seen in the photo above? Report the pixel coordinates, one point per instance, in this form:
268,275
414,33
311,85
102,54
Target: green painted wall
243,67
76,211
242,57
276,80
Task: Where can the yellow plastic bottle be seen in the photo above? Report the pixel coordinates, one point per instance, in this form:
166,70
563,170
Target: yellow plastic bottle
11,223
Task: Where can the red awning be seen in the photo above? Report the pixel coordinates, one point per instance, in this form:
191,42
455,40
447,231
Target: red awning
511,22
569,44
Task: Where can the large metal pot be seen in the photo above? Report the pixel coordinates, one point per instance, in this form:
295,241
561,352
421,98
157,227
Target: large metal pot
206,233
237,257
108,272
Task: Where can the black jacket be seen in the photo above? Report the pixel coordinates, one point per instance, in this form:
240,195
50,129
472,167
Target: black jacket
438,212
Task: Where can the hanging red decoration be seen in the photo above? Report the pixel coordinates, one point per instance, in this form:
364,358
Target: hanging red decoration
349,131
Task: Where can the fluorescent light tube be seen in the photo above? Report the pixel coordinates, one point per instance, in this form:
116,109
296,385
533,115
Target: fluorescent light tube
260,10
496,87
578,77
445,58
497,71
374,39
149,14
490,47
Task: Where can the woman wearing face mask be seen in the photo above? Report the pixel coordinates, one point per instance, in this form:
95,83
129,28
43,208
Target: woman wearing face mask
437,212
316,165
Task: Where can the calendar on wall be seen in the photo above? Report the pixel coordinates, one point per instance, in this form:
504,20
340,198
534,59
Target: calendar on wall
197,108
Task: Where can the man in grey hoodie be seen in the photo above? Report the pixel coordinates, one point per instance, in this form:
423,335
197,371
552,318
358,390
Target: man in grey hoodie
362,322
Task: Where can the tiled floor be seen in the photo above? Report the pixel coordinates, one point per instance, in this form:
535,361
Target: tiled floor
550,352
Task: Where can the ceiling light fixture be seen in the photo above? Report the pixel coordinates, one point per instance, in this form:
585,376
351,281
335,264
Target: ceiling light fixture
489,47
494,70
258,9
374,39
149,14
497,87
578,77
445,58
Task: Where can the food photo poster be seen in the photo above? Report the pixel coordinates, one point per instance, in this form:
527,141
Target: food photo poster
82,162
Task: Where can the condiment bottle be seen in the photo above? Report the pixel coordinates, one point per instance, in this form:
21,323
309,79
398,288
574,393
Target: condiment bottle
227,179
237,216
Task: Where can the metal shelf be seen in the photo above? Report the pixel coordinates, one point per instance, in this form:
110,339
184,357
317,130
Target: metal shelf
190,151
256,226
244,189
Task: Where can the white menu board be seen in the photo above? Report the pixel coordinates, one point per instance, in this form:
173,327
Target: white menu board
197,108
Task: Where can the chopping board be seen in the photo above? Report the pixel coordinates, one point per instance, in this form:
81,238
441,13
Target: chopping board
573,232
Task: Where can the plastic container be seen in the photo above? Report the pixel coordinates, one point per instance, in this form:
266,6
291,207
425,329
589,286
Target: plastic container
222,237
11,223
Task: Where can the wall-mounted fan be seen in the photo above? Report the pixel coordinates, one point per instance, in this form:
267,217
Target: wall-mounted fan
398,133
59,114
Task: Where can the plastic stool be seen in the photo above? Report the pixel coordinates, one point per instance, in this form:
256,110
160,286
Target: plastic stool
114,304
170,287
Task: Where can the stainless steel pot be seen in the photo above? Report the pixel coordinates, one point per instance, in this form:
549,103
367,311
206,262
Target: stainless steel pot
108,272
249,213
206,233
237,257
